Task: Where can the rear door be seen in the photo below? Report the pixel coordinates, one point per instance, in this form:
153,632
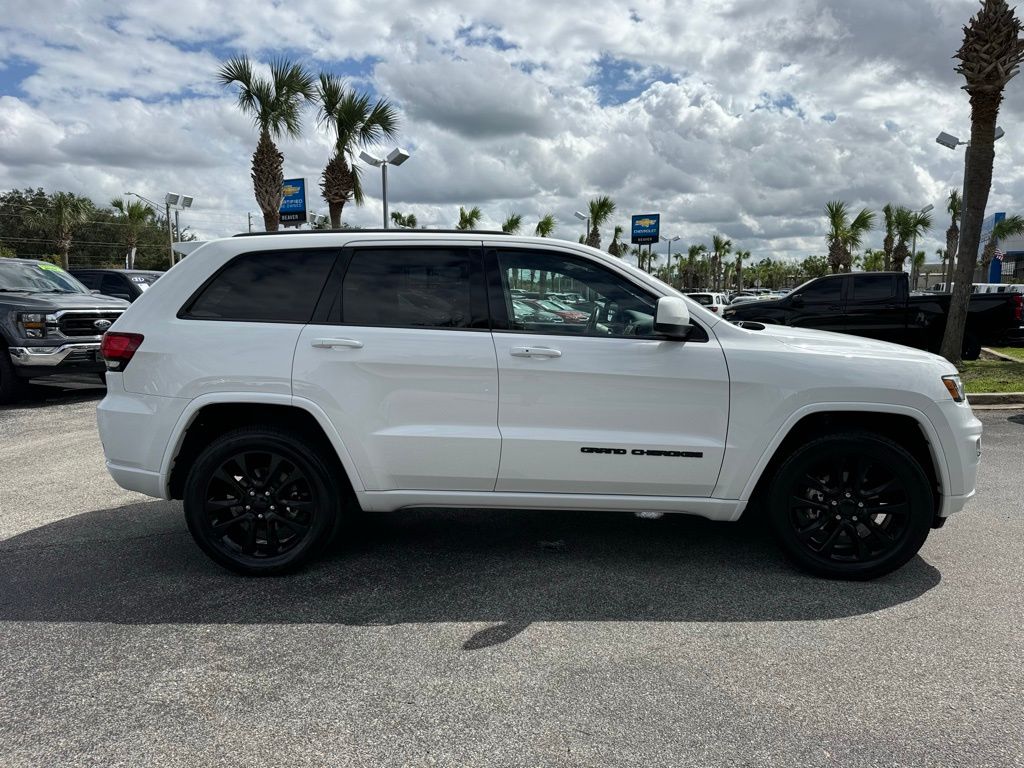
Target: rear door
605,406
875,309
402,361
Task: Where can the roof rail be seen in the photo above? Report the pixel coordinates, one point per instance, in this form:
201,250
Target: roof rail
358,231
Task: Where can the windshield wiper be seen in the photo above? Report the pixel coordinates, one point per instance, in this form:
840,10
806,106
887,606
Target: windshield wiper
16,290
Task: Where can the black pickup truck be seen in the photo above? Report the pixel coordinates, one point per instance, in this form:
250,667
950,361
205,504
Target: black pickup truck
49,324
879,305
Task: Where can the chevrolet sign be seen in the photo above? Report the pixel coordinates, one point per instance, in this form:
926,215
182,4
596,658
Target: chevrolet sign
646,227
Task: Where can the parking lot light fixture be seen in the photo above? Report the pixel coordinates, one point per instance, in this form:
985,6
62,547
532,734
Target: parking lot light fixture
396,156
583,217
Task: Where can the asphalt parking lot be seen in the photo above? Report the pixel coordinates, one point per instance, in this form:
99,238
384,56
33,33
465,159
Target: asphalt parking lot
469,639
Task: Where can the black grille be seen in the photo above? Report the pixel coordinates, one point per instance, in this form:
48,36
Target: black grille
81,323
82,356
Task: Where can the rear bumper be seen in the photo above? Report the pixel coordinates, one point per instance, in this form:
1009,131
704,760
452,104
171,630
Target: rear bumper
32,362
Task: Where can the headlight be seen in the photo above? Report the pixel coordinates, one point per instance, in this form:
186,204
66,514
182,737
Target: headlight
33,324
954,386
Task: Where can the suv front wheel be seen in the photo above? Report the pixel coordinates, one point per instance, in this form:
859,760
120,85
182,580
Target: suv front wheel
853,505
259,501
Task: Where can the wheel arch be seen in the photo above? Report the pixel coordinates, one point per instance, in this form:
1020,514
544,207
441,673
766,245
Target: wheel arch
209,416
905,426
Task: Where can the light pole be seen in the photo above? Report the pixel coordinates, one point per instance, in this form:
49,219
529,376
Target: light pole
178,202
952,142
583,217
669,240
397,156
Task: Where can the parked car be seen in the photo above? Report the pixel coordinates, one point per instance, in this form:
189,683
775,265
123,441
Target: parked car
525,310
50,324
878,305
127,284
743,298
564,311
715,302
277,384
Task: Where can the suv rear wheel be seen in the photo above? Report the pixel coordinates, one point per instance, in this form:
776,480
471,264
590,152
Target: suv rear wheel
259,501
853,505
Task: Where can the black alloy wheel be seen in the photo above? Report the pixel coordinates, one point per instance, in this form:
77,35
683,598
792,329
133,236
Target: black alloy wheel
851,505
260,502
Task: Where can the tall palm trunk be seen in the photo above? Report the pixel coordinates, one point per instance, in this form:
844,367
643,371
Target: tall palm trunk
836,257
887,246
336,184
980,158
268,179
64,249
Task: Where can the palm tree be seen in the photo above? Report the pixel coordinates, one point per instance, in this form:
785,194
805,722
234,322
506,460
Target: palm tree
512,224
1011,226
135,216
600,209
275,106
618,247
875,261
545,226
910,225
694,256
720,247
889,241
915,269
356,124
740,256
954,204
845,235
406,221
469,219
989,58
63,214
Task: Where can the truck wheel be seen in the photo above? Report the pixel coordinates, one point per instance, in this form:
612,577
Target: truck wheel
970,349
12,386
260,501
853,505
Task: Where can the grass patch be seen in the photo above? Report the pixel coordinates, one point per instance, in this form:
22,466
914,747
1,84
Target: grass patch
992,376
1015,352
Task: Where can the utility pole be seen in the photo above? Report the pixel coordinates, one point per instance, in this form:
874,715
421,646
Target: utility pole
170,233
249,214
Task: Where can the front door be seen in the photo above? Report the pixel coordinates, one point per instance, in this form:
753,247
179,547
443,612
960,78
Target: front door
819,305
404,366
600,405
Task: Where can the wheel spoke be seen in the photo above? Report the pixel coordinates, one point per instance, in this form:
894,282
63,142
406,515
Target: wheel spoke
272,538
829,544
870,493
853,532
860,473
218,505
836,473
798,502
805,534
273,469
816,483
226,477
224,525
879,532
888,509
293,525
249,546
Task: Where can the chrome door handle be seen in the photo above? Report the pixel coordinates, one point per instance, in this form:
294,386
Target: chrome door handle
329,343
534,352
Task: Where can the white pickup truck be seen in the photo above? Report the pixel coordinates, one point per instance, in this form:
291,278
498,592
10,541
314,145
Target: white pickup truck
279,383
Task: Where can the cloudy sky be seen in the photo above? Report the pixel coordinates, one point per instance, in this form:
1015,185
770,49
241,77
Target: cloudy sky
741,117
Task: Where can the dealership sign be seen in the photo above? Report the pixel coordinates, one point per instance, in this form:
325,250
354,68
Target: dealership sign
646,228
293,202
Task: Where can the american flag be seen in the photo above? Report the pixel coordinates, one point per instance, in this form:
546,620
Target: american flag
999,255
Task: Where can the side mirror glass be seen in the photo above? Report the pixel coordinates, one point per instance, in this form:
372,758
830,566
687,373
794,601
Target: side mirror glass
797,301
672,318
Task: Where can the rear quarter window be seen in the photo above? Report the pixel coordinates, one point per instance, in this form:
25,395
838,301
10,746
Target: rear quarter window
268,287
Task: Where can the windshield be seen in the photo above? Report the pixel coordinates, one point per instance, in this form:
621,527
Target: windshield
704,299
37,278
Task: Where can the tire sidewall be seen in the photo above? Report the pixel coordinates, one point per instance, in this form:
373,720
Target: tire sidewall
897,460
324,486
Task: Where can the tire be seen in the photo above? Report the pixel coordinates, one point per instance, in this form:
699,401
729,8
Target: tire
827,527
12,386
261,501
970,348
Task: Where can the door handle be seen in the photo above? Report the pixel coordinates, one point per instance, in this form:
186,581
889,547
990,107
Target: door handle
534,352
329,343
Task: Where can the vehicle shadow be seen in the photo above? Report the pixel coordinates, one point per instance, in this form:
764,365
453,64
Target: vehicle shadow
58,390
137,565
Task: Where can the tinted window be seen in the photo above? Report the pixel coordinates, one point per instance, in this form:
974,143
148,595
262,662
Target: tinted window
113,285
408,287
829,289
273,287
873,287
612,305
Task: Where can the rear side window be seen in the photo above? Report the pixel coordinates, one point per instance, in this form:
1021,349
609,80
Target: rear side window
408,288
829,289
873,287
267,287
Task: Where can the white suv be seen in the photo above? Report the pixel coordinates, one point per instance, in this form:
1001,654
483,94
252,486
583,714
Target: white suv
279,383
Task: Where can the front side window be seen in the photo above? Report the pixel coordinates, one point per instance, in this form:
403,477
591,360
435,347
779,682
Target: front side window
873,287
408,288
268,287
829,289
610,306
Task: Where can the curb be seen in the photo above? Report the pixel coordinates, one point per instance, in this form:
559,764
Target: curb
996,398
1000,355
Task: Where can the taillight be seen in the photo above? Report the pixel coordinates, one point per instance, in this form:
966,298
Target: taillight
118,349
713,308
1018,307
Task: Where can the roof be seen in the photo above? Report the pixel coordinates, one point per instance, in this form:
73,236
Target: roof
389,231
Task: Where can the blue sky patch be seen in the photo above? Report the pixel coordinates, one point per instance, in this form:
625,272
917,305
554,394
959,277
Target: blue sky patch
619,80
13,73
780,102
484,35
829,117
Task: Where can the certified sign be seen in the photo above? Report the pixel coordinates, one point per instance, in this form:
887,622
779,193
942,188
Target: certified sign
646,228
293,204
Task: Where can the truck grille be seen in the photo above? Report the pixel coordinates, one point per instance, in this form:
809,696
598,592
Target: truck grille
75,324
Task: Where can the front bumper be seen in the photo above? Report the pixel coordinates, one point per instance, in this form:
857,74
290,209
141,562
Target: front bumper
30,362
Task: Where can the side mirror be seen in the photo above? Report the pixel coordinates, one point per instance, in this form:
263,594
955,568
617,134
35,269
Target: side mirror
797,301
672,318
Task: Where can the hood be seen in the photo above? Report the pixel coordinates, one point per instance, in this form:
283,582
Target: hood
757,304
52,302
845,345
